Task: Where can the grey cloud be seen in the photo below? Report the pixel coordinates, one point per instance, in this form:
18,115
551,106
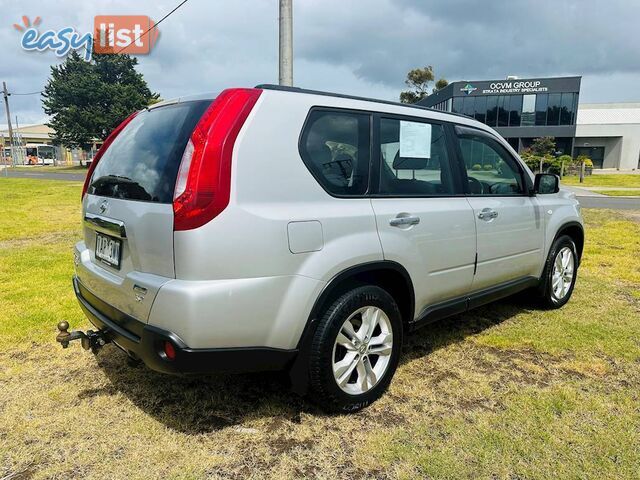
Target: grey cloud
363,47
477,39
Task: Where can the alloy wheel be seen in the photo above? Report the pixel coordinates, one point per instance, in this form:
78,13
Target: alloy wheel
362,350
563,271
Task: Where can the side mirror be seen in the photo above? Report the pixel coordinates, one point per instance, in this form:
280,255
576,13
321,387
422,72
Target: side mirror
546,183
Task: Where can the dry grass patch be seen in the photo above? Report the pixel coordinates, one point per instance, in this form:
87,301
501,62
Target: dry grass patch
507,391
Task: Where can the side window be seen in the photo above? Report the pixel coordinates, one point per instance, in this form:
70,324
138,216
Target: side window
414,159
491,170
336,148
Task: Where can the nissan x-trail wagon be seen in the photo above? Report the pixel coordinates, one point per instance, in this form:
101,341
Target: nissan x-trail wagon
275,228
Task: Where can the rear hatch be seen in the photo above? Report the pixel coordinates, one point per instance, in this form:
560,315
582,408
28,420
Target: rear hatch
128,211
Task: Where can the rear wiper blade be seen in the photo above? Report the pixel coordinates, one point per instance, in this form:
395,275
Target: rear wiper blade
114,179
131,188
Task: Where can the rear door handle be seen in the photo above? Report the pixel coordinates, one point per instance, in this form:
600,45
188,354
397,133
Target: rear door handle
404,221
487,214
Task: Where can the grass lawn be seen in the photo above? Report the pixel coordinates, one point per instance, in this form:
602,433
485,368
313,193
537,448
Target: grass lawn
52,169
504,392
612,180
620,193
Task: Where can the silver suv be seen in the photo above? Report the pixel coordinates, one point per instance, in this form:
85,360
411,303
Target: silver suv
278,228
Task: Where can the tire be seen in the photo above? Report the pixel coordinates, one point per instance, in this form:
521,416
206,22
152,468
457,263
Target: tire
356,348
551,296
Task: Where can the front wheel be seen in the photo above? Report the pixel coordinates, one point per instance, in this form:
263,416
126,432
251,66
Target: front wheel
560,273
355,350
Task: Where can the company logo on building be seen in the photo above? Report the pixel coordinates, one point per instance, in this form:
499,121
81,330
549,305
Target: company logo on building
468,89
132,34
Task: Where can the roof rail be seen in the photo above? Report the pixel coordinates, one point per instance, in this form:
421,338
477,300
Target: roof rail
269,86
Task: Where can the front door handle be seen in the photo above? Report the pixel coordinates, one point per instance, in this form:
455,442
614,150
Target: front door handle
404,221
487,214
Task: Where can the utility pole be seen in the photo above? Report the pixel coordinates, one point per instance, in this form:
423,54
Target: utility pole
6,105
285,70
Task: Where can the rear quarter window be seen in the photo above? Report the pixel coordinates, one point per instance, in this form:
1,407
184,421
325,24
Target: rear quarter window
335,146
142,162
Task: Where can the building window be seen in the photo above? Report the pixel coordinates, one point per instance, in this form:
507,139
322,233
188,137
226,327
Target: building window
566,109
457,104
553,109
541,108
515,110
481,109
469,106
492,111
528,110
503,111
449,102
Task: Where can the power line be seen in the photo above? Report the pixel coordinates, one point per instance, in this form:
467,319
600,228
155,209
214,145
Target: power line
155,26
30,93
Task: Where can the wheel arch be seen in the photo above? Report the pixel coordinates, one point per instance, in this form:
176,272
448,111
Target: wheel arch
386,274
575,230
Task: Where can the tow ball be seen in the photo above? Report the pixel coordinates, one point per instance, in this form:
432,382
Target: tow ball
91,340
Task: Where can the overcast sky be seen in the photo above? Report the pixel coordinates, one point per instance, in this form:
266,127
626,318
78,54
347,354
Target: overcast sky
362,47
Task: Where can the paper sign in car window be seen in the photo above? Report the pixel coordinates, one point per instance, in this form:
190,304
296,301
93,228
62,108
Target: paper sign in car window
415,140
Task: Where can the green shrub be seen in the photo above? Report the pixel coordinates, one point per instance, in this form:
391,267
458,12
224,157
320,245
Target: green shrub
566,159
583,158
550,164
543,146
488,167
477,166
532,161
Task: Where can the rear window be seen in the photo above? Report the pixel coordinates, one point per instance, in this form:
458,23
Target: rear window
142,162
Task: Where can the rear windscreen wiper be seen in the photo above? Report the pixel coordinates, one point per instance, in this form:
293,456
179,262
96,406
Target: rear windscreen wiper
119,186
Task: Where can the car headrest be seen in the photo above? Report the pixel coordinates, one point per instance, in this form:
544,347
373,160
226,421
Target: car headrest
321,153
408,163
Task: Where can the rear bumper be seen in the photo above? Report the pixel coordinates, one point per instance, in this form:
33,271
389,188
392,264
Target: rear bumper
145,342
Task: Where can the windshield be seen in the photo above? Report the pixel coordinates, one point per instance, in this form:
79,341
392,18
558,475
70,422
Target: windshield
46,152
142,162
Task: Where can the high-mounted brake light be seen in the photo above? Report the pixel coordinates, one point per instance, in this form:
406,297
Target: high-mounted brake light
103,148
203,185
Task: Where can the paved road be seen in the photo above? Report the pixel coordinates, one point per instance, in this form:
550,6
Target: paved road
600,201
42,175
614,203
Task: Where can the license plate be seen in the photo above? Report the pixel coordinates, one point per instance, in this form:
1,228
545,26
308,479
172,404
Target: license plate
108,250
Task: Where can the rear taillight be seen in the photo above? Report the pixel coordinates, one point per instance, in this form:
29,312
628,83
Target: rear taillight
103,149
203,185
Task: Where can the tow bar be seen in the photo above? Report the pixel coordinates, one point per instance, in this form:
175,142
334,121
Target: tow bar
91,340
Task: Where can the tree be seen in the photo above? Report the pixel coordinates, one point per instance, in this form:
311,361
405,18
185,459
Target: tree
543,146
87,100
418,81
440,84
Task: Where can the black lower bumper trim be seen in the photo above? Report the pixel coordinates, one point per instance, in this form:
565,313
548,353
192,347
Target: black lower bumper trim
146,343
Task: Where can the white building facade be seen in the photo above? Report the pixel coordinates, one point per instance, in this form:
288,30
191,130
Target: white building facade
609,134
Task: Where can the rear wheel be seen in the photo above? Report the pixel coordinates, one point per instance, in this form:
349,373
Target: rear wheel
560,273
355,350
